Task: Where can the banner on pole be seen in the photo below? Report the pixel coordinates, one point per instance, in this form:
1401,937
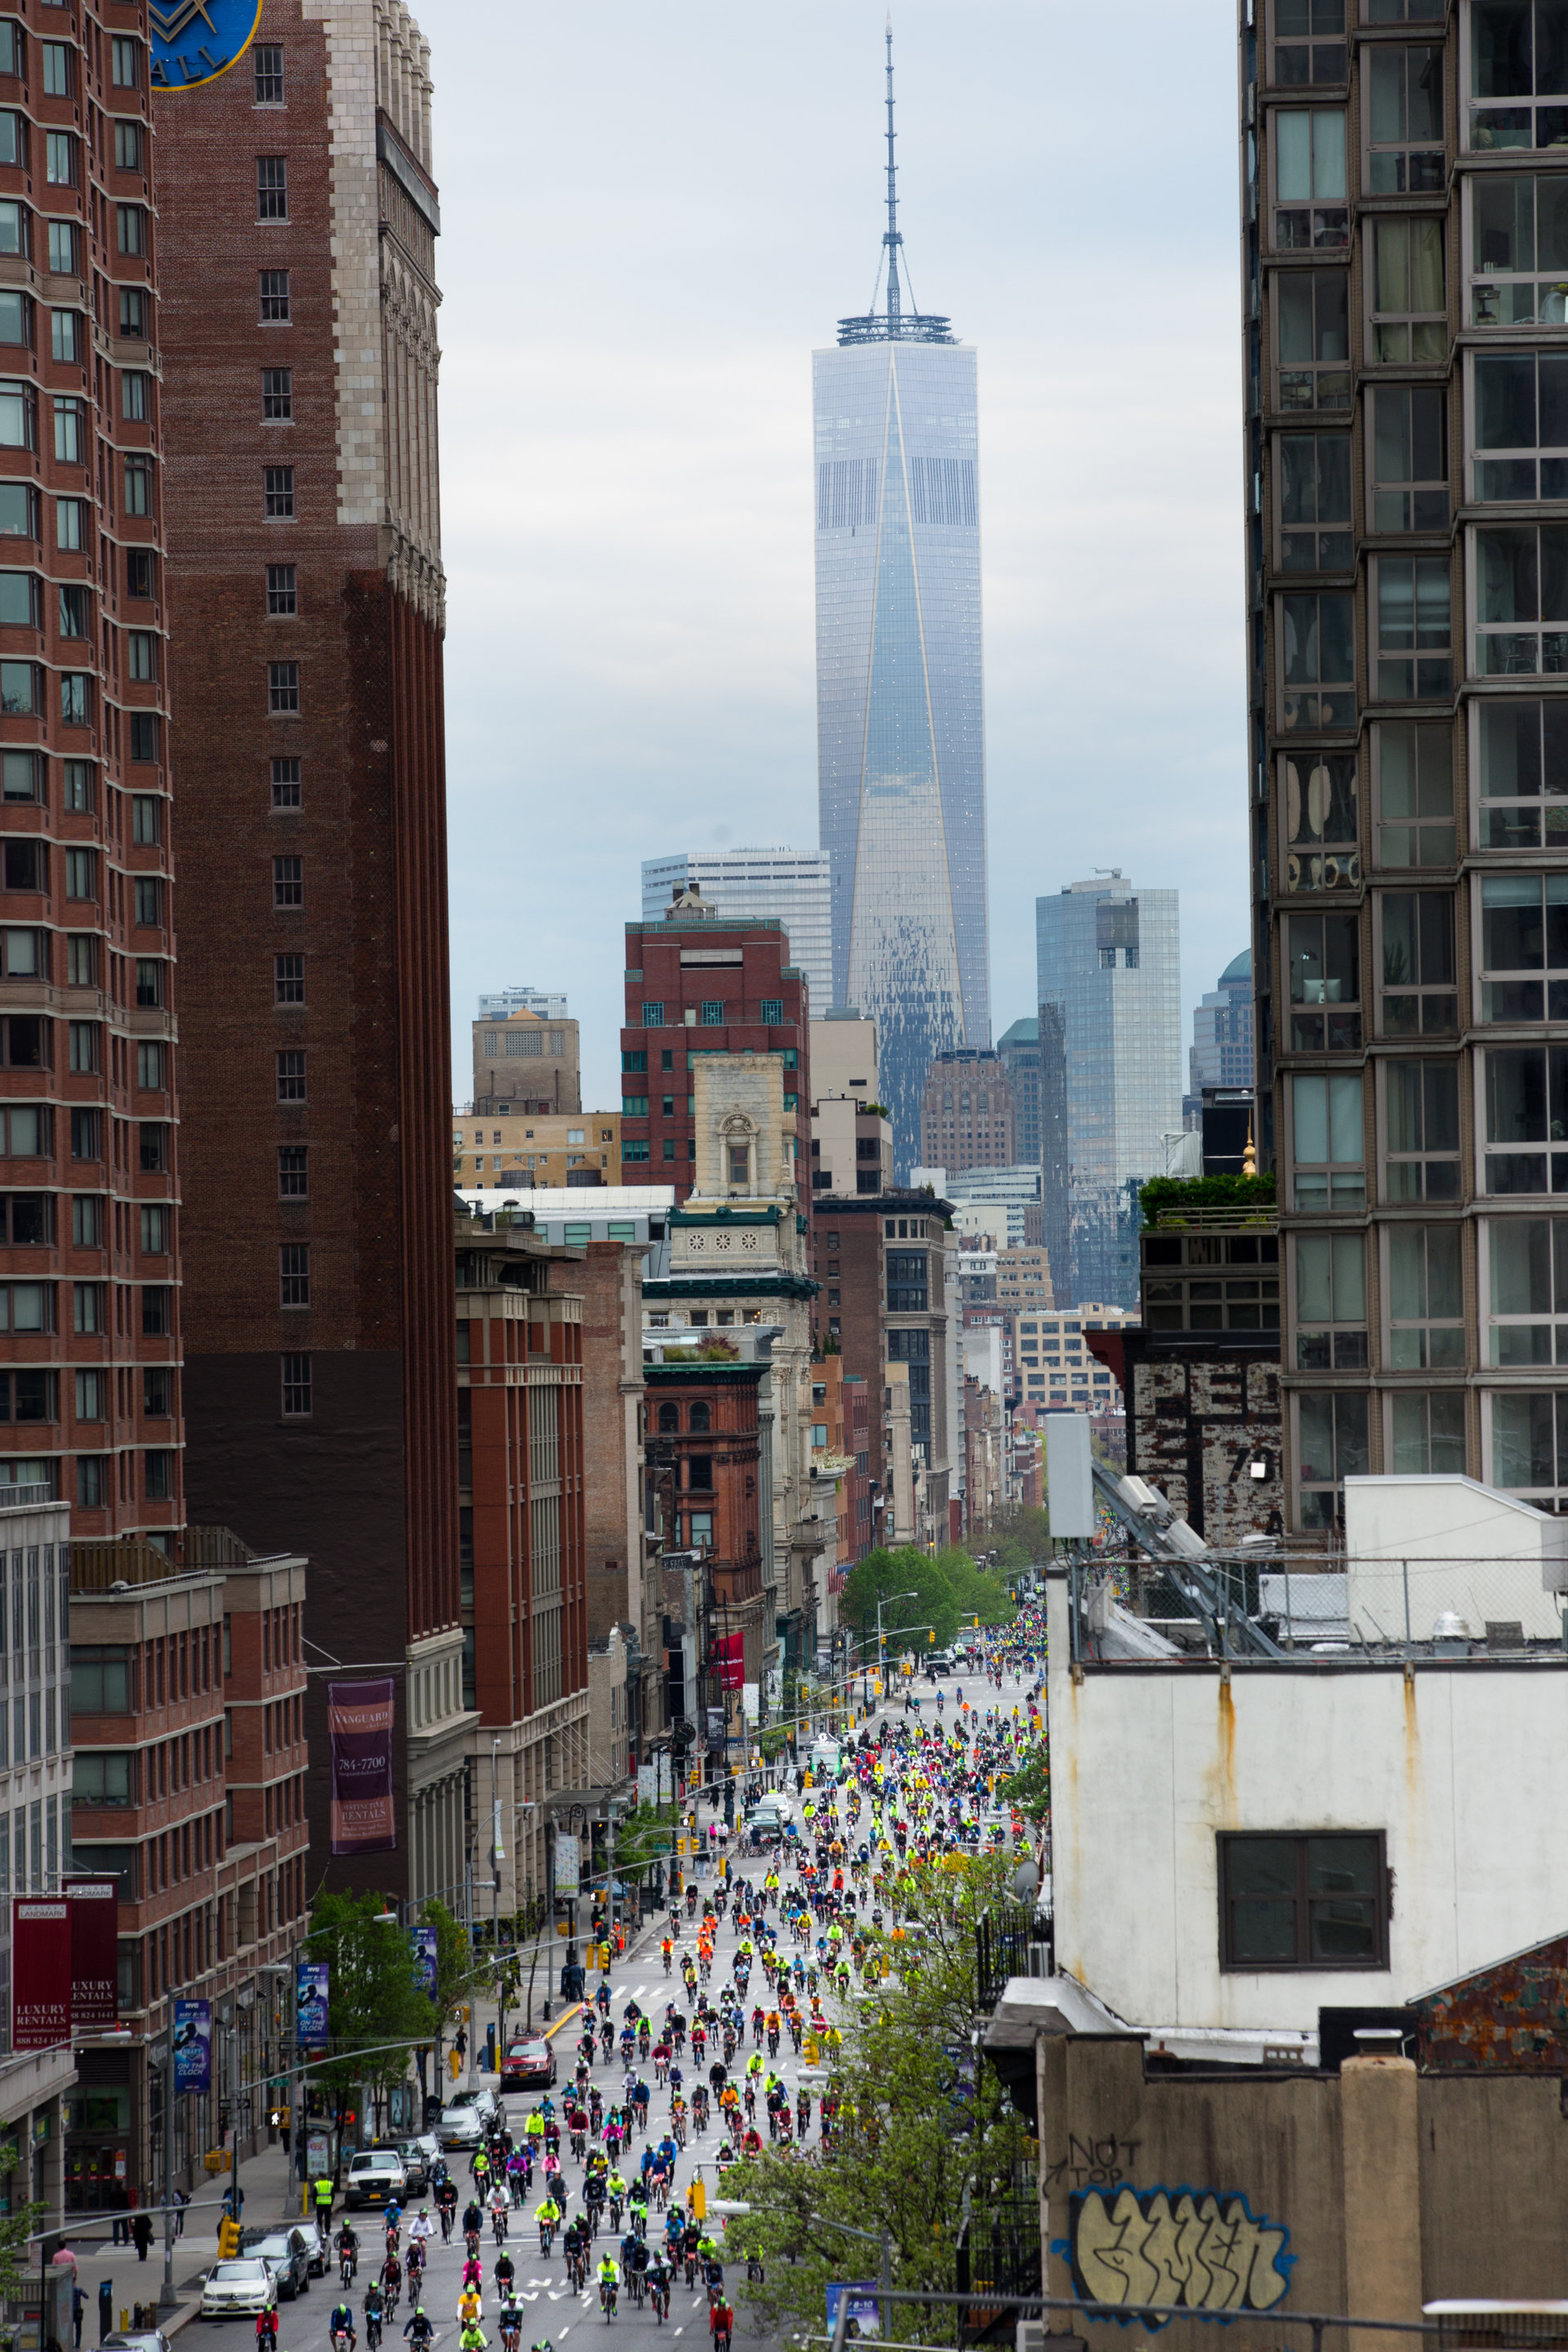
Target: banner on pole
751,1703
360,1723
194,2046
40,1972
311,1983
568,1864
730,1656
425,1950
94,1906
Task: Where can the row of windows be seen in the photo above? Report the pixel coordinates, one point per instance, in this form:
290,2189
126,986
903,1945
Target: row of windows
713,1014
35,1306
28,1220
57,60
60,147
634,1059
1523,1118
30,955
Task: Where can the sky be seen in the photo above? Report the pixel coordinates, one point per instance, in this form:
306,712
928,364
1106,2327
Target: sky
650,218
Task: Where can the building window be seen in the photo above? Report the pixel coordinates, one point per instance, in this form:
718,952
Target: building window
59,160
1427,1429
141,651
1315,503
148,901
1309,40
287,789
1524,936
1320,822
1310,212
1527,1305
1524,774
1303,1902
137,483
1324,957
157,1313
153,1146
1331,1303
1312,311
282,592
287,881
652,1016
144,737
149,981
1526,1106
289,979
1425,1295
89,1488
291,1077
772,1012
139,573
1406,120
1326,1141
128,146
1410,323
277,494
712,1014
1521,427
294,1274
64,250
1415,769
293,1172
278,395
1417,939
1521,600
283,689
1330,1447
296,1387
132,312
131,228
1414,657
1528,1431
125,59
632,1151
152,1066
907,1286
1317,646
274,294
268,73
271,187
1519,226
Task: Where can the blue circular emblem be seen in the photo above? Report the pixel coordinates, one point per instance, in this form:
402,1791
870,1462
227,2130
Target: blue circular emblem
194,41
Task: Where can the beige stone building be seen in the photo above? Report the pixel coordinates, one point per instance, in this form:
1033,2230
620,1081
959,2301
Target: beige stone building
514,1150
529,1060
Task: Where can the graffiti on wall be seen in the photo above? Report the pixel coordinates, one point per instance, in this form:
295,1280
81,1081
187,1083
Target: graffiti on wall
1198,2250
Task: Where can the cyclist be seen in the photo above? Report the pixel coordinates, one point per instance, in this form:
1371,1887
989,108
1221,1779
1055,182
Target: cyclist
419,2330
609,2276
658,2277
392,2282
510,2326
635,2259
447,2199
505,2275
469,2306
348,2254
500,2205
615,2190
473,2339
721,2323
421,2228
375,2312
342,2324
548,2215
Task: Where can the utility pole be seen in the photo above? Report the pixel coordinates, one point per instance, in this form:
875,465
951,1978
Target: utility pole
166,2301
498,1855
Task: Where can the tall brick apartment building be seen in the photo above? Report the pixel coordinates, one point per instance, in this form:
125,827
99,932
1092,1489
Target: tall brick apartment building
298,219
705,985
90,1322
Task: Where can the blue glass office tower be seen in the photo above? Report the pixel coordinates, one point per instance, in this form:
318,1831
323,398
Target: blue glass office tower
901,733
1111,1060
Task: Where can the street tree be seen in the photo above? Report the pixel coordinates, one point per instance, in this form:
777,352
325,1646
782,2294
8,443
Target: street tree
376,2010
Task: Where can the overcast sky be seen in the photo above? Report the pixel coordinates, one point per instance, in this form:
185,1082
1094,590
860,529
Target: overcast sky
651,216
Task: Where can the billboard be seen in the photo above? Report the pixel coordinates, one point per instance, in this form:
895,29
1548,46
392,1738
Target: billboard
311,1981
94,1906
568,1863
425,1949
360,1720
40,1971
865,2316
193,2045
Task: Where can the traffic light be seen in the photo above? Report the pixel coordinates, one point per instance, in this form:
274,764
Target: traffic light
930,1634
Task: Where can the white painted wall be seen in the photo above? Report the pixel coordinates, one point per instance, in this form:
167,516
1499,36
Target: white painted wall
1458,1766
1456,1546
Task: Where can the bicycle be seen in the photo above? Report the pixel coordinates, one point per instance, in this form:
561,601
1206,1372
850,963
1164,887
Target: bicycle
497,2225
607,2292
345,2268
638,2286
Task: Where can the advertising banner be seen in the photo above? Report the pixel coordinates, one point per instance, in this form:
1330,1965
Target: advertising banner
647,1782
729,1659
751,1703
194,2046
424,1961
311,1983
568,1863
40,1971
94,1906
359,1722
865,2319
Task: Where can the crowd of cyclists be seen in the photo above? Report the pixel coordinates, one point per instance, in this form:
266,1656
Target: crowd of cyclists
819,1915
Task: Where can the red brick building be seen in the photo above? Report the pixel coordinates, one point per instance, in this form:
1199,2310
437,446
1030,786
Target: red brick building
704,1438
298,219
697,984
968,1117
89,1240
521,1486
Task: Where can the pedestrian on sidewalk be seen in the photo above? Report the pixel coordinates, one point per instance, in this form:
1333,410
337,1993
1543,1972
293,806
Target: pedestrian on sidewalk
142,2232
78,2309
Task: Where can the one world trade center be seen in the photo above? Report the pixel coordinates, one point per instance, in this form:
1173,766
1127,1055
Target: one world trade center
900,732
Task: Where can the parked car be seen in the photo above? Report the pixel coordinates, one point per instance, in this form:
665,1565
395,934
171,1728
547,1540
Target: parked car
316,2248
375,2178
771,1815
464,2118
526,2062
287,2255
137,2339
238,2289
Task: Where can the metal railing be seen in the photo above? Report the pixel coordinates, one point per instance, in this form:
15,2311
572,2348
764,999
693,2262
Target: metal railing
1002,1950
1215,1217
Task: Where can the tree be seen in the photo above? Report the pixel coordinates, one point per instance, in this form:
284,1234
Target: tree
1029,1788
884,1575
375,2010
927,2133
17,2227
459,1973
1020,1536
976,1591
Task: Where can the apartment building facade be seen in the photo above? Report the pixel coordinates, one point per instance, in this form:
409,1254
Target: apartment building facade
1404,346
968,1118
520,1480
299,220
529,1061
191,1777
89,1291
698,985
498,1149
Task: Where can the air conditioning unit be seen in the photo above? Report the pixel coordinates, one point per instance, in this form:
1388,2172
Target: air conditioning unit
1187,1540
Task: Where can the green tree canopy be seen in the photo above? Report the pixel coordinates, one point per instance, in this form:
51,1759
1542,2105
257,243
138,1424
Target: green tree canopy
977,1590
881,1576
376,2011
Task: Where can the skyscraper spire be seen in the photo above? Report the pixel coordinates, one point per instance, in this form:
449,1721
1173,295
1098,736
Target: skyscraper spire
895,325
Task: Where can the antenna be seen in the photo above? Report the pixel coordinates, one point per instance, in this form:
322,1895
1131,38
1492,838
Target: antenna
892,239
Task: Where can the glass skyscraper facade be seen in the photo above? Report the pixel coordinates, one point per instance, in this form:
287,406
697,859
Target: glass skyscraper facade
1110,1054
792,884
900,737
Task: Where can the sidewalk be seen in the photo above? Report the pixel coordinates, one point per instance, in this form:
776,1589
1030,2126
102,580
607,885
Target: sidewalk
264,2179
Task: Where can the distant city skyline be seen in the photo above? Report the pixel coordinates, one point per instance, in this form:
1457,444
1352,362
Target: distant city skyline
795,885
